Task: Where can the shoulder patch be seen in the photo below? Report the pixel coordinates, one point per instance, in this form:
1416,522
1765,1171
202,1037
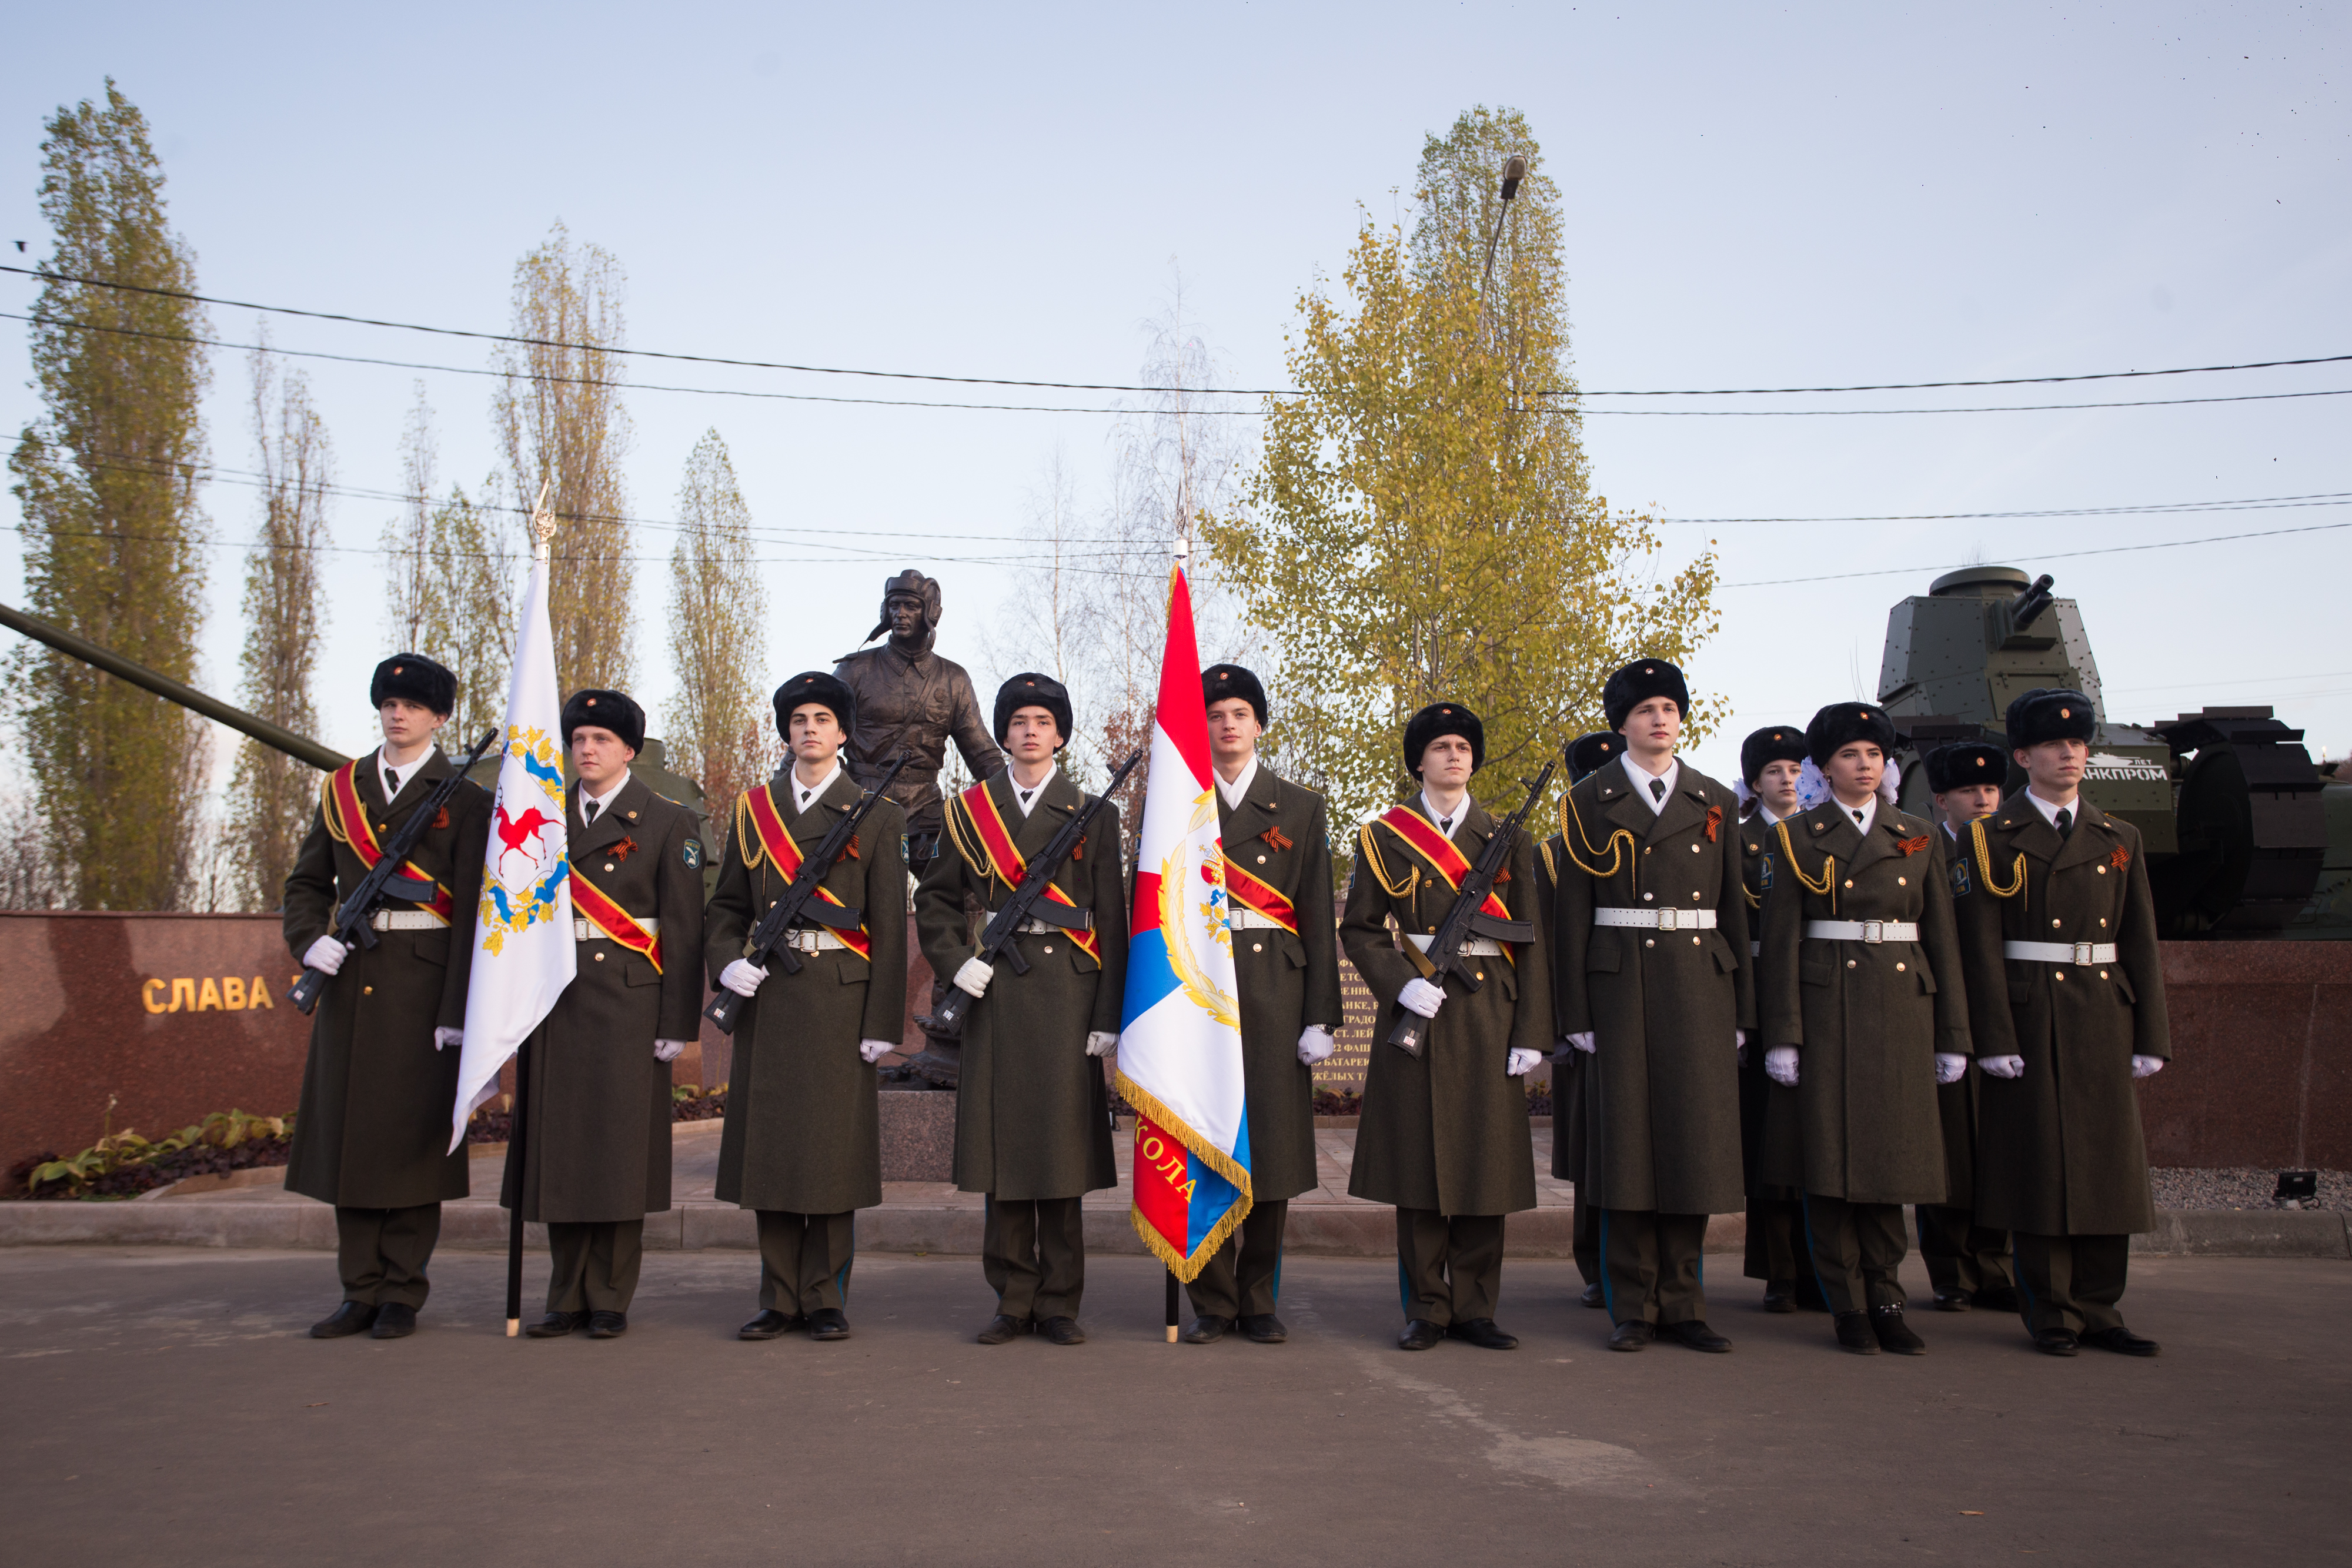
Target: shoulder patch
693,853
1763,866
1960,876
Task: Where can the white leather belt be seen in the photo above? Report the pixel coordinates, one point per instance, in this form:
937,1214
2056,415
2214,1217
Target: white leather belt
812,940
1667,919
1863,930
1038,928
1239,919
407,920
2061,952
583,932
1474,947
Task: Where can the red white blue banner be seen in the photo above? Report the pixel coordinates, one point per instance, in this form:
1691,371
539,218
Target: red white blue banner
1180,1043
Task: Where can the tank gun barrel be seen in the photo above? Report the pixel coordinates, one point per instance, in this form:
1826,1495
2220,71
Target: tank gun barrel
299,746
2028,606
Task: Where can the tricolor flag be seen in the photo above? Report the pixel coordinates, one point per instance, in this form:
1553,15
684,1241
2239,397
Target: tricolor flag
523,952
1180,1044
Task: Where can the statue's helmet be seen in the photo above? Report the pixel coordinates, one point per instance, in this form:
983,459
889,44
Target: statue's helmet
909,584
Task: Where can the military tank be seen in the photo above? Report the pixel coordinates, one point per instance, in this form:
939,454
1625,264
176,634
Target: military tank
2244,836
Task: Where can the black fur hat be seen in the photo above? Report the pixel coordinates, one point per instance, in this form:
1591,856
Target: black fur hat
1966,762
1841,722
1030,689
417,678
1219,682
1589,754
616,711
1443,718
815,686
1773,742
1636,684
2051,713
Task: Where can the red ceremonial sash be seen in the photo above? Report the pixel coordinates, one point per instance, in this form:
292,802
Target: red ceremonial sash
776,839
1421,836
597,907
347,822
1004,862
1253,894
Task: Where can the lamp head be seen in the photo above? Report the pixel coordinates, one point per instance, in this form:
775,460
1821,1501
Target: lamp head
1515,169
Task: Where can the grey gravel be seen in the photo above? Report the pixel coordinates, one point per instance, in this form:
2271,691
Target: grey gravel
2241,1188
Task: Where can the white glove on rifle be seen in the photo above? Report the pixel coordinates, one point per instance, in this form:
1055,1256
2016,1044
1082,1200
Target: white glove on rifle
326,956
1583,1041
1781,1065
1101,1041
1523,1061
2147,1066
1315,1044
973,978
2003,1066
742,976
669,1050
873,1051
1949,1066
1419,997
444,1038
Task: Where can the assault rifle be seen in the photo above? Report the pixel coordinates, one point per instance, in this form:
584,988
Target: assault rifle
1029,902
355,921
1468,918
800,903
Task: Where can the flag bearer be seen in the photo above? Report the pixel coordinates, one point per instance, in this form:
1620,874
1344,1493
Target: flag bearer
1968,1263
1586,754
1033,1114
373,1134
1444,1135
1286,965
1654,985
595,1142
2067,989
1864,1012
803,1143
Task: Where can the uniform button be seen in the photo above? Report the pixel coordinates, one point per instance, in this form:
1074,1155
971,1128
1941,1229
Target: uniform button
600,957
2103,974
367,990
2103,870
2053,924
1649,941
1694,893
1257,947
1693,941
1049,946
2103,920
1482,973
1899,882
1849,963
2061,974
1648,896
1645,848
1261,859
1899,968
1849,882
1694,848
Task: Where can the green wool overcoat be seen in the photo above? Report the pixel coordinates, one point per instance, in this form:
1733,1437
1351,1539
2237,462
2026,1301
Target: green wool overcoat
1569,1144
1754,1088
595,1142
1662,1086
1446,1130
1867,1017
373,1130
1278,835
2059,1149
804,1132
1033,1114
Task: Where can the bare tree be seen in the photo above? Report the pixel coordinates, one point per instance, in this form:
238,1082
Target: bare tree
408,539
719,730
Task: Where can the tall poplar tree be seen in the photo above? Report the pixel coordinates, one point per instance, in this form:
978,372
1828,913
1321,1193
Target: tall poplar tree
113,538
720,720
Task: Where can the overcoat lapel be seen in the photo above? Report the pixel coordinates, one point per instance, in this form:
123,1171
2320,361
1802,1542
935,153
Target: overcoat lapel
437,767
1256,812
1683,811
611,824
2031,831
1032,833
2091,840
1877,844
1626,809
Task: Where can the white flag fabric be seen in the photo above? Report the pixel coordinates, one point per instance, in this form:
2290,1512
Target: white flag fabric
523,952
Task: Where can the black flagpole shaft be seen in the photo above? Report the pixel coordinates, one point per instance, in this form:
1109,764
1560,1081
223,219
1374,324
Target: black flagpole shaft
516,1121
1172,1306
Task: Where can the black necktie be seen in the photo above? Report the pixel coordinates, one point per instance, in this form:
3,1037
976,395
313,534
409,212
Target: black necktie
1657,789
391,785
1446,826
2065,822
588,812
1024,800
1857,817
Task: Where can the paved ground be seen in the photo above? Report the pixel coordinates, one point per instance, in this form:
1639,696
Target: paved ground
166,1405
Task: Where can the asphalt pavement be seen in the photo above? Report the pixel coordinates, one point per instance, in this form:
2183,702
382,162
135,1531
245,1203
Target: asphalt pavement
168,1406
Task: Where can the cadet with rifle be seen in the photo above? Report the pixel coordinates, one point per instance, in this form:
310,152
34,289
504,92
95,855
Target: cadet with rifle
822,1001
1466,1015
1038,1001
389,970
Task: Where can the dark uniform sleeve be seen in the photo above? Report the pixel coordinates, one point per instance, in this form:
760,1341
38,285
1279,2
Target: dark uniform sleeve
311,888
678,900
471,811
970,732
1571,923
1939,934
1110,900
726,920
1781,1020
939,923
1531,1017
1364,934
1318,932
2143,960
884,834
1731,919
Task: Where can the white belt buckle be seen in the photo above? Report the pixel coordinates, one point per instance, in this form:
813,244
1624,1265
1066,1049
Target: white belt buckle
1873,930
1666,919
2083,953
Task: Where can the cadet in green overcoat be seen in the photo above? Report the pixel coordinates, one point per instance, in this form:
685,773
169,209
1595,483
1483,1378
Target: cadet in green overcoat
2068,998
372,1136
595,1114
803,1143
1033,1114
1287,966
1444,1135
1586,754
1865,1011
1655,986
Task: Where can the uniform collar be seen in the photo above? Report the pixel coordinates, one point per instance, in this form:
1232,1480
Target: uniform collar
806,795
1238,790
1641,779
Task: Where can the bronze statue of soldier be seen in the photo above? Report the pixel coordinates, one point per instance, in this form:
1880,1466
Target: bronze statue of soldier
912,700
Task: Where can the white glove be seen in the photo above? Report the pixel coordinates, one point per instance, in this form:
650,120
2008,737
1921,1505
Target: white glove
2003,1066
1419,997
1101,1041
742,976
669,1050
2147,1066
444,1038
973,978
1523,1061
1739,1042
1949,1066
326,956
1315,1044
1582,1042
873,1051
1781,1065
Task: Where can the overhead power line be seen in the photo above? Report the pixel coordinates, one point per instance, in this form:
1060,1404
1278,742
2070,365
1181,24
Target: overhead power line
1122,386
2039,556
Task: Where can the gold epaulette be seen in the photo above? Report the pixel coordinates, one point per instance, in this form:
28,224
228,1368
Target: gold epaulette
1984,865
1827,887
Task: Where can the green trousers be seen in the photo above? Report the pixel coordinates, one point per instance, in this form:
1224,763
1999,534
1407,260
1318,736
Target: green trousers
1857,1249
1033,1252
1449,1267
2069,1281
592,1265
805,1260
1961,1255
382,1254
1652,1265
1244,1277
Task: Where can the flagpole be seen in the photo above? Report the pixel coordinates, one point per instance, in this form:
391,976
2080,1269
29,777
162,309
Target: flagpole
1181,548
542,529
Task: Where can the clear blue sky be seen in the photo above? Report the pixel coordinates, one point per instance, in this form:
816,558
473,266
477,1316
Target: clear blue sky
1757,196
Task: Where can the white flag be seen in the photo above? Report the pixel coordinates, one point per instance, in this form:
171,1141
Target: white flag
523,952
